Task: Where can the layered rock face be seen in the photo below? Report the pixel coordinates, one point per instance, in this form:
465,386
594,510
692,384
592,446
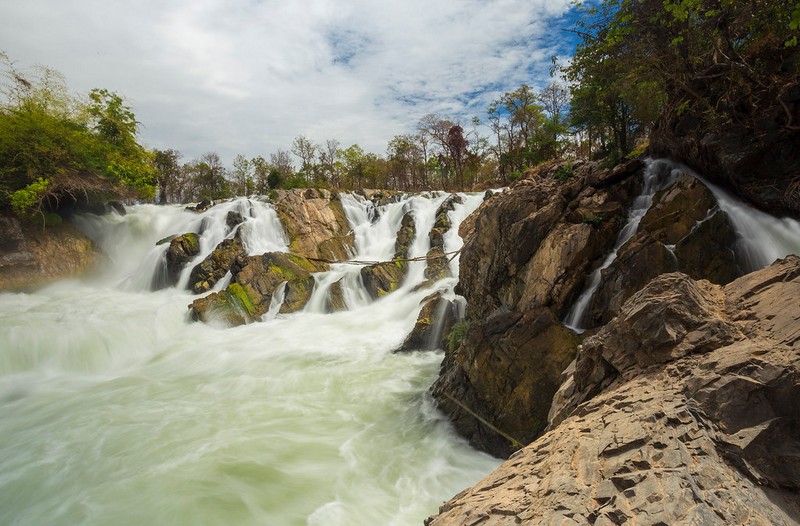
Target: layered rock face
526,258
682,410
31,255
316,223
528,255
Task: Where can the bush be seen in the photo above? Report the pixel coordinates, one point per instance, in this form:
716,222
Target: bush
457,335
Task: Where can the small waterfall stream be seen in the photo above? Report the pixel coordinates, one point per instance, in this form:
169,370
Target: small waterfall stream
655,178
761,238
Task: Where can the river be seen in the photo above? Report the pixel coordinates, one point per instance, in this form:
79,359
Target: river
116,409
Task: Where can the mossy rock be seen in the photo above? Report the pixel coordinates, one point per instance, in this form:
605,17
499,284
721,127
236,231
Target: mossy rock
214,267
182,249
383,278
233,306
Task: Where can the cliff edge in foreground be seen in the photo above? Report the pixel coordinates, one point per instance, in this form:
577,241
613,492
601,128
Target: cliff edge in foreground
682,410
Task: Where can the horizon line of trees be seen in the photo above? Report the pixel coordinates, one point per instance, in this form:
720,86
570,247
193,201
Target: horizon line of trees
526,128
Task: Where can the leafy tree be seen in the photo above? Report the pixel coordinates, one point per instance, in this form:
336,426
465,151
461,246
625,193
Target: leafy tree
58,150
242,176
307,152
168,175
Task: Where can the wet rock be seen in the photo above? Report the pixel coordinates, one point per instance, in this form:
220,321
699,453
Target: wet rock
315,223
255,279
436,318
383,278
677,209
182,249
707,251
335,301
506,372
405,236
216,265
233,219
200,207
438,263
638,261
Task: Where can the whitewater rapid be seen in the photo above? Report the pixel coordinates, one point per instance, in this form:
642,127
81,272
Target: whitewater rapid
116,409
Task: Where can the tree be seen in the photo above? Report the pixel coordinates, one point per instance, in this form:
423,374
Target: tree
306,151
168,173
58,151
242,176
207,175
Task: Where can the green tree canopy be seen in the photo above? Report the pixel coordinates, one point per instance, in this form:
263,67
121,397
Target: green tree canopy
57,150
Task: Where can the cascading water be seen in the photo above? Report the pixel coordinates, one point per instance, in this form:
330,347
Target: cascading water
655,178
761,238
117,409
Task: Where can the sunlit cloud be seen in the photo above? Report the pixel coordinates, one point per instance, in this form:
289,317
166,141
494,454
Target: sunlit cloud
248,76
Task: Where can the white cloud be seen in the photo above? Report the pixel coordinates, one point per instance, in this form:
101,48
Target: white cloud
246,76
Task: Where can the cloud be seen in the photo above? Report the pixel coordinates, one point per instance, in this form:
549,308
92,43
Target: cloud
246,76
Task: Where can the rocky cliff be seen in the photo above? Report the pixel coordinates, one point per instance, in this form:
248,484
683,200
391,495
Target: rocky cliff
570,242
682,410
31,255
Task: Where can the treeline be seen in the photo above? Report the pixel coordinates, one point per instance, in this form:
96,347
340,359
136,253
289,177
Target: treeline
525,128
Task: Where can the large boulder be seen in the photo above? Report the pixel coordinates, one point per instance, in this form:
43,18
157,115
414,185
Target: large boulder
530,249
682,231
316,224
383,278
438,264
688,415
434,322
181,250
255,280
216,265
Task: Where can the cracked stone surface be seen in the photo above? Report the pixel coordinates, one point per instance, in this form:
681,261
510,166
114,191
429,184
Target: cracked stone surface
703,434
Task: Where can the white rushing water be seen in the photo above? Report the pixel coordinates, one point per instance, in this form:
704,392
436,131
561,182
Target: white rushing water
655,177
118,410
760,237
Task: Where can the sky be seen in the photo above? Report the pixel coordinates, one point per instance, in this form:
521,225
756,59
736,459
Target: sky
247,76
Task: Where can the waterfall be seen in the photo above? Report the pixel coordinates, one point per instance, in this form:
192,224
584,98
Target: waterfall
130,241
117,409
760,237
656,175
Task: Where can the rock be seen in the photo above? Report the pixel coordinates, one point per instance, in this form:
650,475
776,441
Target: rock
505,371
638,261
677,209
216,265
181,250
523,264
233,219
383,278
32,256
760,165
438,264
116,206
696,423
436,318
405,236
622,171
335,301
255,279
682,215
315,223
707,251
200,207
